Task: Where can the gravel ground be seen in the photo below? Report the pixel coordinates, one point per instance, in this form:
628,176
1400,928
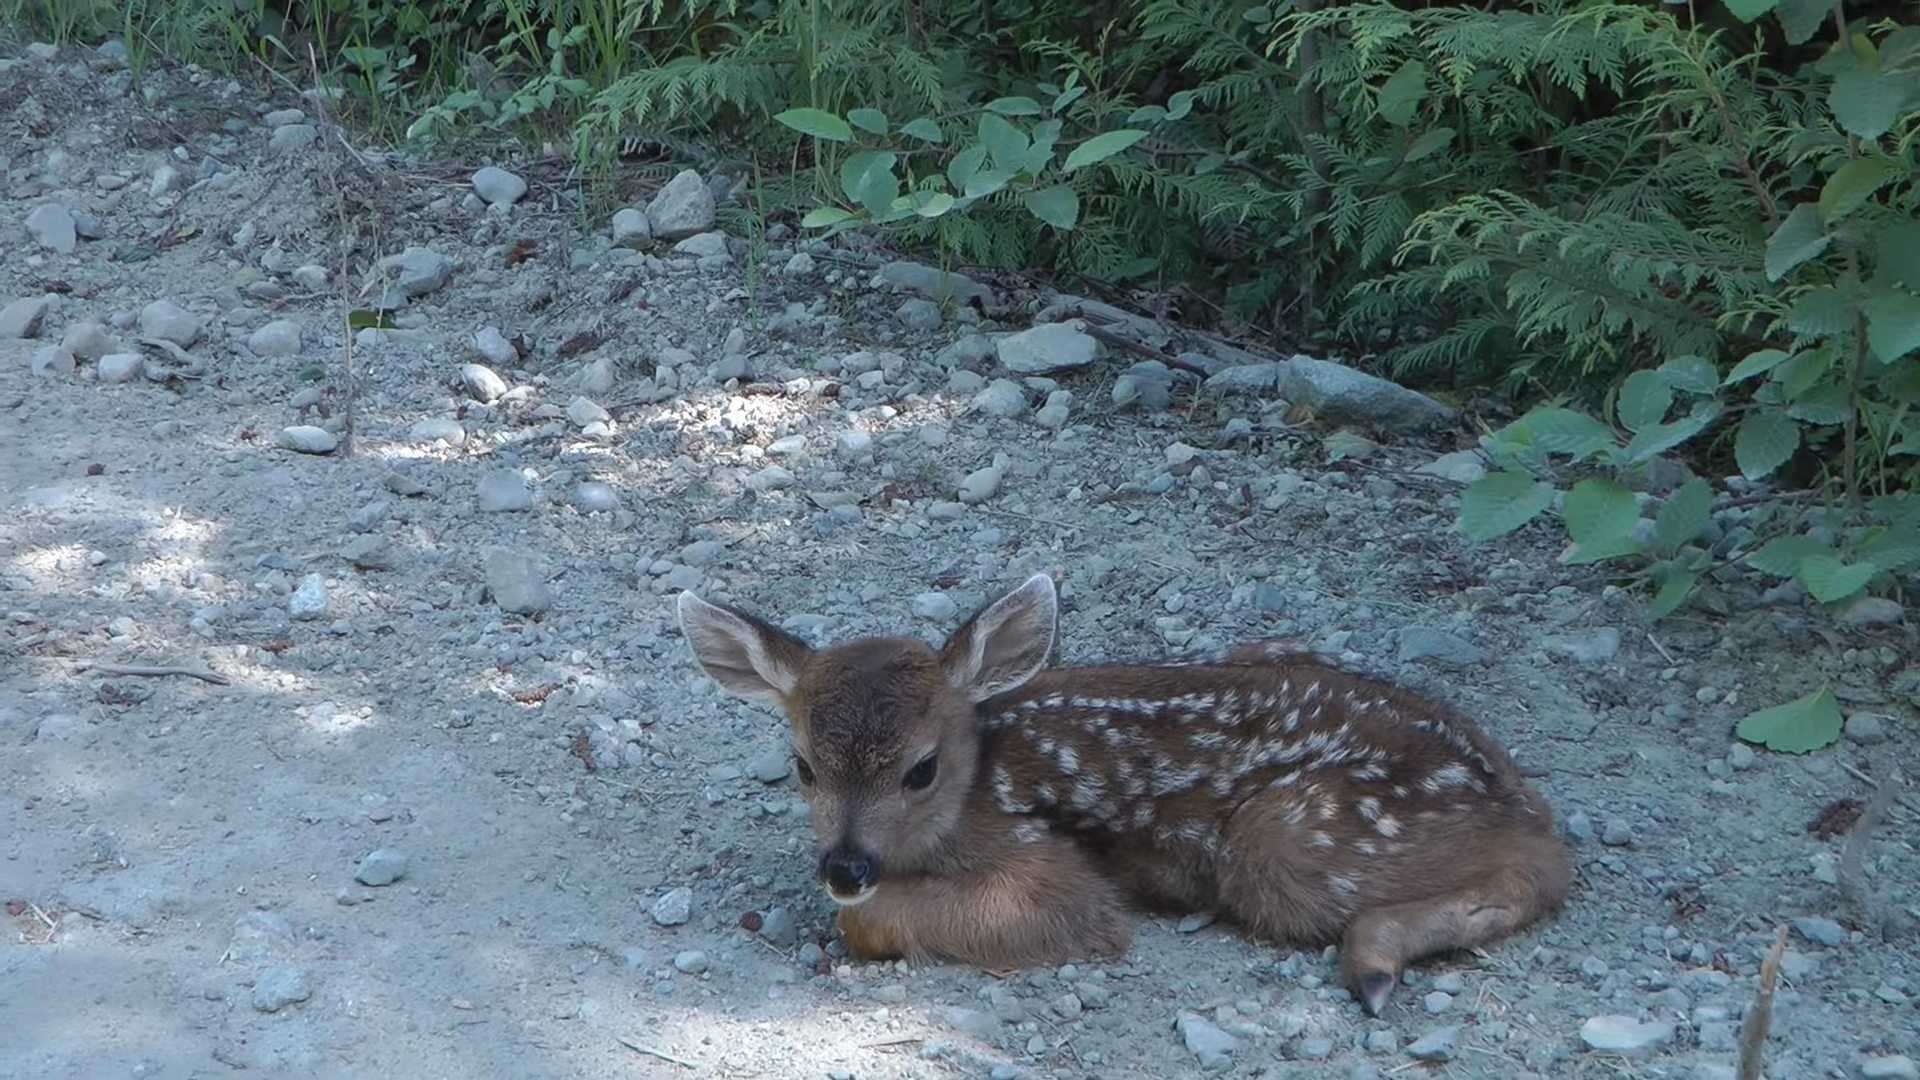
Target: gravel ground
460,803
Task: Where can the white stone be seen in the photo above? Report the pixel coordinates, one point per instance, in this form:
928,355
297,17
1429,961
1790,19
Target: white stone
281,337
23,318
168,321
119,367
498,186
52,227
308,439
682,208
482,383
309,601
1049,348
632,229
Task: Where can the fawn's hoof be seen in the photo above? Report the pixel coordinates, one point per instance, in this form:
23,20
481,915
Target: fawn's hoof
1373,989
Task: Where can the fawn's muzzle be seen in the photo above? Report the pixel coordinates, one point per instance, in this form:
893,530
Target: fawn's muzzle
849,872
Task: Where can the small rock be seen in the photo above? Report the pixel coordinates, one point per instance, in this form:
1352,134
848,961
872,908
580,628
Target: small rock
1435,1045
1048,348
1624,1035
1579,827
307,439
935,606
583,411
771,478
772,766
309,601
1196,922
498,186
482,383
442,429
126,367
852,445
919,314
1206,1041
494,347
1148,384
1436,1002
981,484
1867,729
703,245
381,866
1003,398
682,208
1871,611
594,497
1461,466
280,987
1245,379
1889,1067
631,229
1740,757
52,360
1590,647
1617,833
800,265
690,962
1439,646
23,318
981,1025
280,118
503,491
420,270
516,583
168,321
933,283
1314,1048
292,137
674,907
1339,393
777,926
1821,931
52,227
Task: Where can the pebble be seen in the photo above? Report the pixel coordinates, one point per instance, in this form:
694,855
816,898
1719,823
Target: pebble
126,367
1821,931
23,318
584,411
1617,833
88,340
280,118
682,208
280,987
1382,1041
981,1025
771,478
1315,1048
1461,466
1196,922
1048,348
503,491
919,314
169,321
981,484
1590,647
674,907
281,337
690,962
1439,646
703,245
1867,729
381,866
772,766
482,383
1579,827
368,553
52,227
420,270
1436,1002
1001,399
778,928
516,583
1206,1041
498,186
442,429
631,229
594,497
800,265
1740,757
1624,1035
309,601
1435,1045
52,360
935,606
292,137
1889,1067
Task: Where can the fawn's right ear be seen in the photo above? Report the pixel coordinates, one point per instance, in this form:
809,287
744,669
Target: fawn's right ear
1006,644
747,657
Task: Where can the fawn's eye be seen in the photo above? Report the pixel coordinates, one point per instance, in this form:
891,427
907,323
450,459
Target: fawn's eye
803,770
922,774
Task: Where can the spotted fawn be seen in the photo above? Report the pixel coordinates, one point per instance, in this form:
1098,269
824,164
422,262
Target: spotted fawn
974,805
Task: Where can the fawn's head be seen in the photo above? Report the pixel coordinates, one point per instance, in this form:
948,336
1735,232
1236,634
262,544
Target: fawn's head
885,735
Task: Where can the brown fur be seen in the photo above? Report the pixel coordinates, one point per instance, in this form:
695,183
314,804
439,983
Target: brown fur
1307,804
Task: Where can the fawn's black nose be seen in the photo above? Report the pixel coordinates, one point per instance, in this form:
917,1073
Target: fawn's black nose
847,870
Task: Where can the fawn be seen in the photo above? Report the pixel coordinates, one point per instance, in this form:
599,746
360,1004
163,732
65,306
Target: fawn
973,805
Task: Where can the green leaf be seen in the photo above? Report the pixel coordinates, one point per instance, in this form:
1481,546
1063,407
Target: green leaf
1868,102
1101,146
931,204
1804,371
1644,399
1801,18
1429,143
1147,114
1402,93
1829,579
1893,325
1179,104
1783,555
868,120
362,319
964,165
1014,106
1599,512
923,129
1660,438
1058,206
1897,255
816,122
986,182
1673,592
1852,184
867,178
1828,404
821,216
1749,10
1799,238
1694,374
1684,515
1758,363
1564,431
1498,503
1007,144
1799,726
1594,551
1067,97
1764,442
1820,311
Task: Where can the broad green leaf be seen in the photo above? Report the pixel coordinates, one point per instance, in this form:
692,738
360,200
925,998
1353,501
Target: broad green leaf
1783,555
1828,404
1799,238
986,182
1660,438
1758,363
1673,592
816,122
1058,206
1801,725
1852,184
868,120
821,216
923,129
1429,143
1804,371
1067,97
1564,431
1694,374
867,178
1599,512
1147,114
1014,106
1179,104
1749,10
964,164
1868,102
1684,515
1644,400
1897,255
931,204
1595,551
1764,442
1498,503
1007,144
1101,146
1402,93
1801,18
1893,325
1045,134
1893,549
1820,311
1830,579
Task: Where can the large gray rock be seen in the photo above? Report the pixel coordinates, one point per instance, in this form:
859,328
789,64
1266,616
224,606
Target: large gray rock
281,337
1338,392
1049,348
933,283
53,228
1246,379
681,209
168,321
23,318
419,271
516,583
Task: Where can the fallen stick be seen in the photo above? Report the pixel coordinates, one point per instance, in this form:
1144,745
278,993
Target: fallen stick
652,1053
1753,1034
160,671
1853,886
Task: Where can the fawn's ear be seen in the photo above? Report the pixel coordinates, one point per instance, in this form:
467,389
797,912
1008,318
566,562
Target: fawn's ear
747,657
1006,643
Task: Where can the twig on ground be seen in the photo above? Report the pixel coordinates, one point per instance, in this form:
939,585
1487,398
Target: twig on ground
1661,649
157,671
652,1053
1753,1034
1853,885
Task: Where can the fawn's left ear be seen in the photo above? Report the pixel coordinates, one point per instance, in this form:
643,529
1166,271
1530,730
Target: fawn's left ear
747,657
1006,643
